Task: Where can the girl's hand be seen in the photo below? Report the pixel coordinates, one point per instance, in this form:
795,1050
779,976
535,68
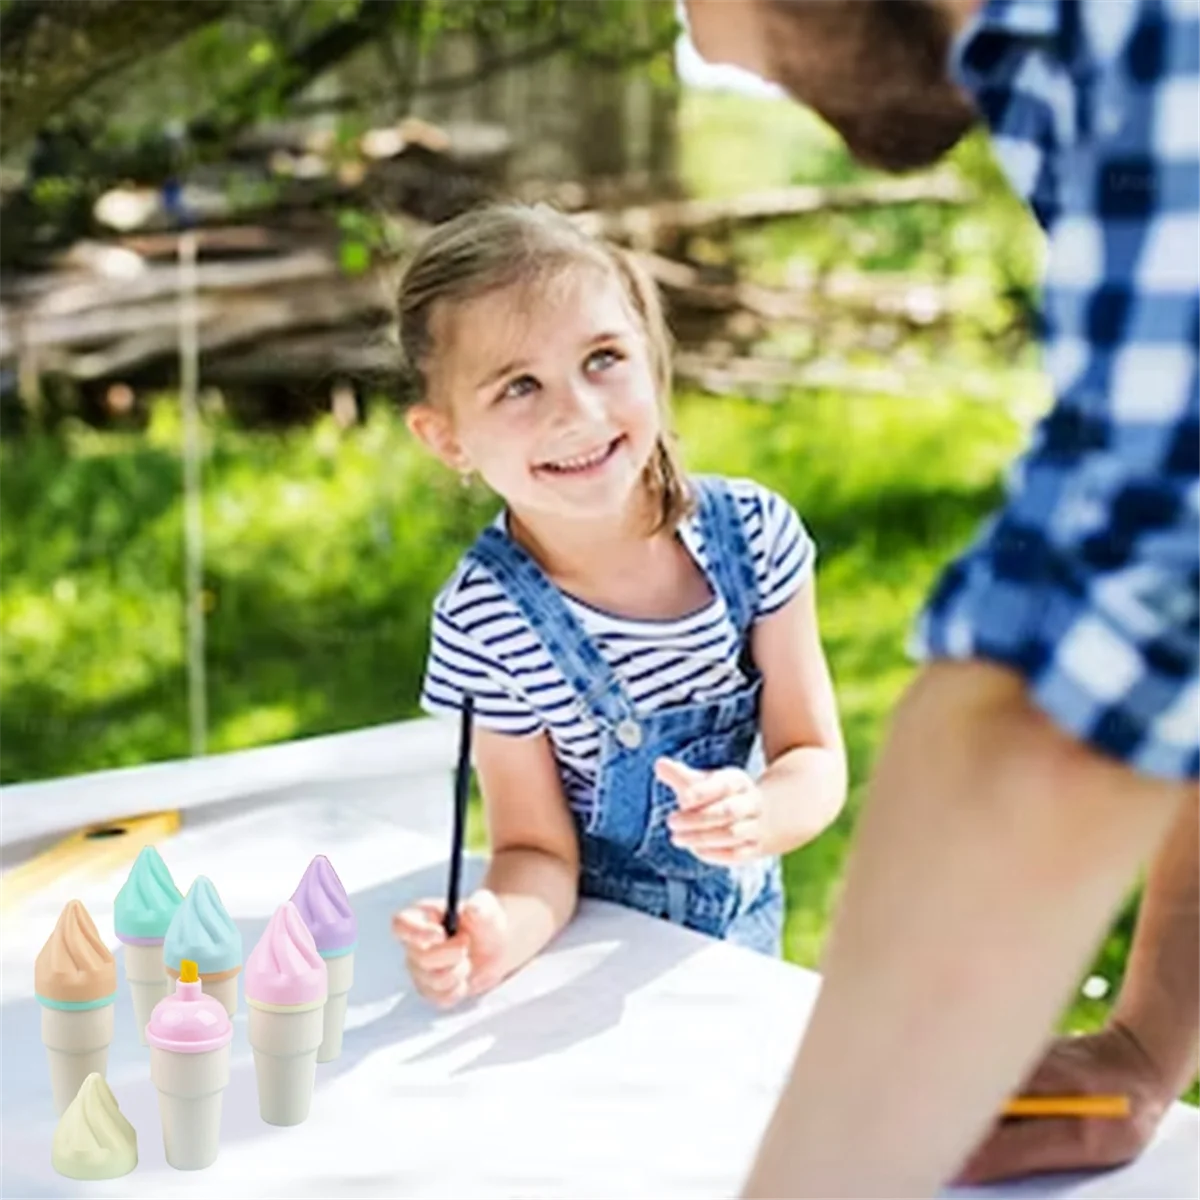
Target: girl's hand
720,812
446,970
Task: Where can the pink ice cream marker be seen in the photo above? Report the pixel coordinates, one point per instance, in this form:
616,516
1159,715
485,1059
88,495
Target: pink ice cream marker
286,984
189,1036
323,904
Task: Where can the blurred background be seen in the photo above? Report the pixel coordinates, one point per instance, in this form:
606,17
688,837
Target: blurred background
216,532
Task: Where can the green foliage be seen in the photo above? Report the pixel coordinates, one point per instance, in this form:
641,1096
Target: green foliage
889,494
989,250
247,65
91,609
324,550
364,235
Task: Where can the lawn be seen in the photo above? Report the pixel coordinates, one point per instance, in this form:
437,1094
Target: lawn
325,546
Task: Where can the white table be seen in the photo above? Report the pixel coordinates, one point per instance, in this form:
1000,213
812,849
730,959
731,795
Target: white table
632,1059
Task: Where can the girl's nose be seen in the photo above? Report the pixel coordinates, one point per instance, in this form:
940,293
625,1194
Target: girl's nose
578,401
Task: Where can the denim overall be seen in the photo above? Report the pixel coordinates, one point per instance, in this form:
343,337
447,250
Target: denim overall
626,852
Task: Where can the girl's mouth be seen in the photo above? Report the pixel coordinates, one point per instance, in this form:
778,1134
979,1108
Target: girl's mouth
583,464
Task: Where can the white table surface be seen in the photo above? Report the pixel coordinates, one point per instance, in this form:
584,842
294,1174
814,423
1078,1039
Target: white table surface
633,1058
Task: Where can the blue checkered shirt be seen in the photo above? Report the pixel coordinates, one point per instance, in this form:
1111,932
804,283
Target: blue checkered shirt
1087,580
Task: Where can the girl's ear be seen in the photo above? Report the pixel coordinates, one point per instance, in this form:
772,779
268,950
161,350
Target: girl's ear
434,430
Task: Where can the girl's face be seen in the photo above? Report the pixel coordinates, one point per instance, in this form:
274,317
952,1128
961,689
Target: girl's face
547,392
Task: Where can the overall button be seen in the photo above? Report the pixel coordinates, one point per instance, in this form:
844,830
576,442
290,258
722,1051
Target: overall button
629,734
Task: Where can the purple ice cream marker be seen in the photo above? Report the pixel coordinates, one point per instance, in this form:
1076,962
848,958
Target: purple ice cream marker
325,908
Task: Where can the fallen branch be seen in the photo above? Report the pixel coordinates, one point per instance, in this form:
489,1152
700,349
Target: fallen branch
874,295
774,379
109,311
647,226
771,379
300,358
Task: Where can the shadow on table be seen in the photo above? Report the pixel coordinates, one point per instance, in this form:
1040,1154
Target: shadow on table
588,1005
547,1023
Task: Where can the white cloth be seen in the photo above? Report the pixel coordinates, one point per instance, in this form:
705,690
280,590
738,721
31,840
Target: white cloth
632,1059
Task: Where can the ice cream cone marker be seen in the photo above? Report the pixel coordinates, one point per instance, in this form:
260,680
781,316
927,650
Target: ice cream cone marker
189,1035
325,908
75,984
93,1140
287,986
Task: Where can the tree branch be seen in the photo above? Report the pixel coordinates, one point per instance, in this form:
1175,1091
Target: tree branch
129,32
52,51
526,56
114,33
325,50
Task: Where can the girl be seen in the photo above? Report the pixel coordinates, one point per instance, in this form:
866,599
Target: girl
626,632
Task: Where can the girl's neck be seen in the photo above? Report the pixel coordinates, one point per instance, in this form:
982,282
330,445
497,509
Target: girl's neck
579,552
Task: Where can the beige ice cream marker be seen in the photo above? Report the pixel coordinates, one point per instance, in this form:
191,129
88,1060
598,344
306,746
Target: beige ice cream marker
93,1140
75,984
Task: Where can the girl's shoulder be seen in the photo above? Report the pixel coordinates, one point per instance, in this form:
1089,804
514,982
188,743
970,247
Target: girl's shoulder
475,633
469,586
468,583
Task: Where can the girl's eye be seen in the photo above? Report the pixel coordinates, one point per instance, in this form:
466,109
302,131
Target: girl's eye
521,386
601,360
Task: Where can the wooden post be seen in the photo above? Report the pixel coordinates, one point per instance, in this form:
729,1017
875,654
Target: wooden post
193,449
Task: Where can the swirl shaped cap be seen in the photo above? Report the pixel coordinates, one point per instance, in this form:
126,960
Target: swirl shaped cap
203,932
325,908
93,1140
285,969
147,901
75,969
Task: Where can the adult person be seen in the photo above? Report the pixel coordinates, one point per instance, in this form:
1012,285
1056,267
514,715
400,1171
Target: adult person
1048,746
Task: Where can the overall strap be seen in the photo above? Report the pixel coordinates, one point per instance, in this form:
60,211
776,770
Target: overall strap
727,551
594,682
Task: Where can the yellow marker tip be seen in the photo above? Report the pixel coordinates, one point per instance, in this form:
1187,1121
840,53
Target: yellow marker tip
188,972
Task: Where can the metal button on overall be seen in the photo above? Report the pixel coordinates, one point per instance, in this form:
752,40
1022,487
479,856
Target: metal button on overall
629,733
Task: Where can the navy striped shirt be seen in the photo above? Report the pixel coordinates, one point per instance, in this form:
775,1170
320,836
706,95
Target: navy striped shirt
481,643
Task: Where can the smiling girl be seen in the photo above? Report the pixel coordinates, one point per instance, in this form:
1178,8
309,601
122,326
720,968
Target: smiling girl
629,635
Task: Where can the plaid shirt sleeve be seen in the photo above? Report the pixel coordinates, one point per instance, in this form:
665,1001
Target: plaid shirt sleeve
1086,582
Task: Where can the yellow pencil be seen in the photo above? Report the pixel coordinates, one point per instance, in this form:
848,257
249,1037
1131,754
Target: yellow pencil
1068,1106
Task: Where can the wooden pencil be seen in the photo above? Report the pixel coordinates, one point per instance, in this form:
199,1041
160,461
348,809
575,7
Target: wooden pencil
1068,1106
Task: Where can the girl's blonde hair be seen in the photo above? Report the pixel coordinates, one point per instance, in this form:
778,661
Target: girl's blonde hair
502,245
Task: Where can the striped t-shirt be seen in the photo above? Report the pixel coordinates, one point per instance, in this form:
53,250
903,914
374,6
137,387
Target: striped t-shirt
481,643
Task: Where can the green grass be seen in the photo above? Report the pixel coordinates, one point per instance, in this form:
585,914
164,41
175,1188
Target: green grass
324,550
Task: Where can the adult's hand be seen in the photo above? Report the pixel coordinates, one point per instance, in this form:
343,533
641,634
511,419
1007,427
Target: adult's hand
1110,1062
